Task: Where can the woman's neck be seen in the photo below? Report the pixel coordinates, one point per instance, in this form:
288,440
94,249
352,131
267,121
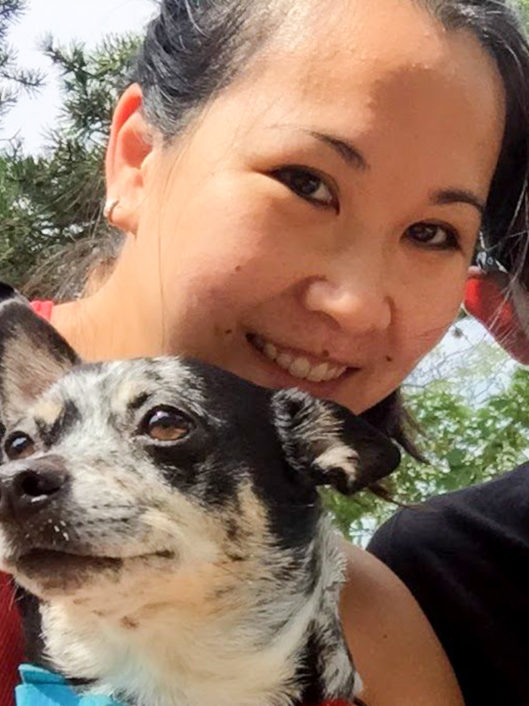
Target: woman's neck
104,326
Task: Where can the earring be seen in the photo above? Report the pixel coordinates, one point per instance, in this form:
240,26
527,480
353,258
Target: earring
108,210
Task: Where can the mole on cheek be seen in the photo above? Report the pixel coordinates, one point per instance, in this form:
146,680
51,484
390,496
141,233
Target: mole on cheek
129,623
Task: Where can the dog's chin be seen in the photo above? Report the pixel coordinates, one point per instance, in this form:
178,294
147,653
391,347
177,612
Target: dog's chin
45,571
39,562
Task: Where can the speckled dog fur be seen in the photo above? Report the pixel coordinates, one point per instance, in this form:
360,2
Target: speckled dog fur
175,573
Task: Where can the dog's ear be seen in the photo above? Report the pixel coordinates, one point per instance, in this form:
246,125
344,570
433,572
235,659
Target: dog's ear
32,355
328,445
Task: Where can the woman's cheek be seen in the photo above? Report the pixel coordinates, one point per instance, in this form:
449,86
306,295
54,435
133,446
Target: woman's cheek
426,327
250,246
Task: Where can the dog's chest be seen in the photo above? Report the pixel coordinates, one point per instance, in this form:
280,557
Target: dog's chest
181,662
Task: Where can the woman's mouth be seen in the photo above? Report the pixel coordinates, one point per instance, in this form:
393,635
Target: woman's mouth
300,366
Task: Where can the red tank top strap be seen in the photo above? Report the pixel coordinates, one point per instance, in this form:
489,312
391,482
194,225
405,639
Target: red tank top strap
42,307
11,641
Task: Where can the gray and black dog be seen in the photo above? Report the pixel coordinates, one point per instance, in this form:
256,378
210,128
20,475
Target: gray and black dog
163,520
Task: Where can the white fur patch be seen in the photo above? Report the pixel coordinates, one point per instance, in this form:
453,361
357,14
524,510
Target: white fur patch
339,456
48,410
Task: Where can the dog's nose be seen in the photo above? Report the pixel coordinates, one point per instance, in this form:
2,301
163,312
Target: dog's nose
29,490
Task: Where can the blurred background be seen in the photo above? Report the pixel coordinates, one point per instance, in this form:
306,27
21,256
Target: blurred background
62,66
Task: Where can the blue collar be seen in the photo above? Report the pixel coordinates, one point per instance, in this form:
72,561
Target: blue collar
42,688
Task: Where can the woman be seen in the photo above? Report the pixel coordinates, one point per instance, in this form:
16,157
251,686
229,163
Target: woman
302,192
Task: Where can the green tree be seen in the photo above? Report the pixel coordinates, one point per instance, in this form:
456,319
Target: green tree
13,79
55,199
463,442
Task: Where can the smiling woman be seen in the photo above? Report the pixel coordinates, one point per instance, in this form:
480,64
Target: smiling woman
302,193
311,238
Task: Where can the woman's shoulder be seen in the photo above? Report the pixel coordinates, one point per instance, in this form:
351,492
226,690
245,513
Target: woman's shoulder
395,649
448,526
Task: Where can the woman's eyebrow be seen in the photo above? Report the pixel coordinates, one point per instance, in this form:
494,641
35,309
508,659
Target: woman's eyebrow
353,157
449,196
345,149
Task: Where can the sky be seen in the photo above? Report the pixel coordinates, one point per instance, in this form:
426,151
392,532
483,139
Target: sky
66,20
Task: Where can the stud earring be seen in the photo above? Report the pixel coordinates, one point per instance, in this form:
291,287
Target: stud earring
108,210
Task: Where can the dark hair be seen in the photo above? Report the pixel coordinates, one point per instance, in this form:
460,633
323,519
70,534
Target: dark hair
192,50
500,28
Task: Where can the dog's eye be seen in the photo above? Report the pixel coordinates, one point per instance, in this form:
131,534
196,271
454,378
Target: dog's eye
166,424
19,445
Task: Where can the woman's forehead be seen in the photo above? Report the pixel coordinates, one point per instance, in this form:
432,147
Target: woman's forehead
425,107
386,69
370,44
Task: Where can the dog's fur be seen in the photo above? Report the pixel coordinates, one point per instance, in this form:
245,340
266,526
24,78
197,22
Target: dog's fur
175,573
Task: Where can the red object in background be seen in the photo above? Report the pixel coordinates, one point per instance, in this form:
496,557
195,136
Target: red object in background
485,300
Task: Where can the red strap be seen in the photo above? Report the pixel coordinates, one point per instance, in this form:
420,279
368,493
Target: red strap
11,642
43,308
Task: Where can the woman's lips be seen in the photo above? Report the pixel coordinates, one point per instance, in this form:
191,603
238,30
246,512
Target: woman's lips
300,365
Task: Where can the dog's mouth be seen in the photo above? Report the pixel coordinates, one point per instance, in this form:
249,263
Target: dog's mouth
52,562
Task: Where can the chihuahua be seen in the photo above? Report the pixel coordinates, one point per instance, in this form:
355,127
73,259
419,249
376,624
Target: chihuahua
163,520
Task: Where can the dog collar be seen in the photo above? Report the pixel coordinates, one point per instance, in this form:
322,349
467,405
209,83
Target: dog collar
43,688
40,687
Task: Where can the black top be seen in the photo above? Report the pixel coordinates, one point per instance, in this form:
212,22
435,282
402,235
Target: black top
465,557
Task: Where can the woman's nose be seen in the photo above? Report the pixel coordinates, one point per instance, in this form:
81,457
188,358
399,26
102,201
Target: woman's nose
357,302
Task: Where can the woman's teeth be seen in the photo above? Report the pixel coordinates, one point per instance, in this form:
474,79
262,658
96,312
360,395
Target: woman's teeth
299,366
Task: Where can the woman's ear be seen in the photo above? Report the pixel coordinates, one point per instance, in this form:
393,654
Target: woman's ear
129,147
502,306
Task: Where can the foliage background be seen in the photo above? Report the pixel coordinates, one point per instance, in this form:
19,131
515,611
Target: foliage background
467,398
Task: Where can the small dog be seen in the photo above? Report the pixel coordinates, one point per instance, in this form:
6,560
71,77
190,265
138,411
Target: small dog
163,520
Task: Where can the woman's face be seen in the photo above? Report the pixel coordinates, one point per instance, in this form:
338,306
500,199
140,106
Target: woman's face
315,226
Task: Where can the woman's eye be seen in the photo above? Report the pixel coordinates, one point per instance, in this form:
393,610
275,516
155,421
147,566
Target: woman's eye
307,184
19,445
166,424
433,235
